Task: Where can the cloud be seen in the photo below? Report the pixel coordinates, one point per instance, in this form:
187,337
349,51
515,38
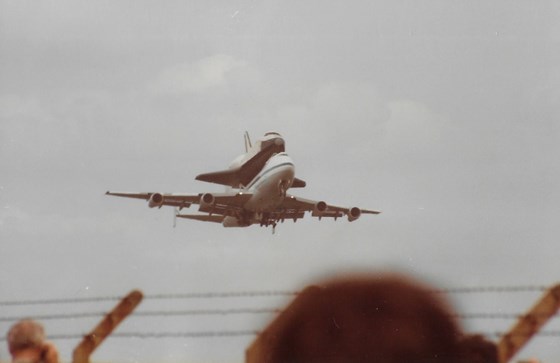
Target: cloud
205,74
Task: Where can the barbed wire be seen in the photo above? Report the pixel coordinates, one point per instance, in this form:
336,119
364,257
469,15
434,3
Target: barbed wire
160,313
233,311
496,316
246,311
204,295
493,289
240,333
59,301
229,294
265,293
160,335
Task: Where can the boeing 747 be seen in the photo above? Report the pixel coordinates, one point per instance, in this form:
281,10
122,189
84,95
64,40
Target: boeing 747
257,185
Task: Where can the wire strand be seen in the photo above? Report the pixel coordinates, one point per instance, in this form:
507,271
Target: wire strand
266,293
160,335
239,311
205,295
238,333
148,314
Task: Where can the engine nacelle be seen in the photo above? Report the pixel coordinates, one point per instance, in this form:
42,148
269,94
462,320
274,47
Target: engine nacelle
230,221
156,200
354,213
320,208
206,202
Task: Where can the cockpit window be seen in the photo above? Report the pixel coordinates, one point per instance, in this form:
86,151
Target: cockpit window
272,133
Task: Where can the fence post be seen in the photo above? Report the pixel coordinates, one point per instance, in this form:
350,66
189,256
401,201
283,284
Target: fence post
92,340
529,324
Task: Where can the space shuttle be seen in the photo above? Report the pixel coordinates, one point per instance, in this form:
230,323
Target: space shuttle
245,167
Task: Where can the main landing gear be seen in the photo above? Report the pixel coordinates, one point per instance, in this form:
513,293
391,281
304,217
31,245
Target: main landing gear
267,221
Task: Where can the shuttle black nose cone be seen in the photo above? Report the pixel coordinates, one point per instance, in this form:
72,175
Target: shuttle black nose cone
275,145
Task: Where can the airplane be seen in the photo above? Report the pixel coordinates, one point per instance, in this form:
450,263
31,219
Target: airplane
257,185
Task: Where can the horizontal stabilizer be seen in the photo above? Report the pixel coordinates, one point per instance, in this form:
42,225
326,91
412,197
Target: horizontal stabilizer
205,218
298,183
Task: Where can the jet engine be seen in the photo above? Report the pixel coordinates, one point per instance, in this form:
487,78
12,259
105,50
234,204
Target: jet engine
230,221
320,208
156,200
206,202
354,213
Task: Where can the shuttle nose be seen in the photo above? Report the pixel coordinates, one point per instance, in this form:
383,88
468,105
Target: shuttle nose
277,144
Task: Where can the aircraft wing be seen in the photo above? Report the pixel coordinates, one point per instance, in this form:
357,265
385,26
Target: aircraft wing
158,199
320,209
225,204
219,203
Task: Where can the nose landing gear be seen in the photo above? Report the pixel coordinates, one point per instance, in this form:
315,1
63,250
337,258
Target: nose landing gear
283,188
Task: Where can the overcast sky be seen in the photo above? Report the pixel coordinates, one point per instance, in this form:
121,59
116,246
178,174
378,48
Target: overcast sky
443,114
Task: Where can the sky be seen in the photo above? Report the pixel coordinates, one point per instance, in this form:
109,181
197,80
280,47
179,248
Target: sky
442,114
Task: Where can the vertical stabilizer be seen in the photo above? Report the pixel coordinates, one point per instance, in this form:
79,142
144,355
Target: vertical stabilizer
247,142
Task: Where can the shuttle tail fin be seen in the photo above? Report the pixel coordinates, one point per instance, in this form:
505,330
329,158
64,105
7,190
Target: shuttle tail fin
248,144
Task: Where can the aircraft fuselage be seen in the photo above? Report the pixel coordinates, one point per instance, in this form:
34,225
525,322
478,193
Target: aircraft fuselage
268,190
270,185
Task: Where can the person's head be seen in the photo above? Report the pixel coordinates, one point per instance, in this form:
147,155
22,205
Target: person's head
25,334
477,349
381,318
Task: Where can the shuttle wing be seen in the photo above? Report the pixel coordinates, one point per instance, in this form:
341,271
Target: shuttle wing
231,177
242,175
